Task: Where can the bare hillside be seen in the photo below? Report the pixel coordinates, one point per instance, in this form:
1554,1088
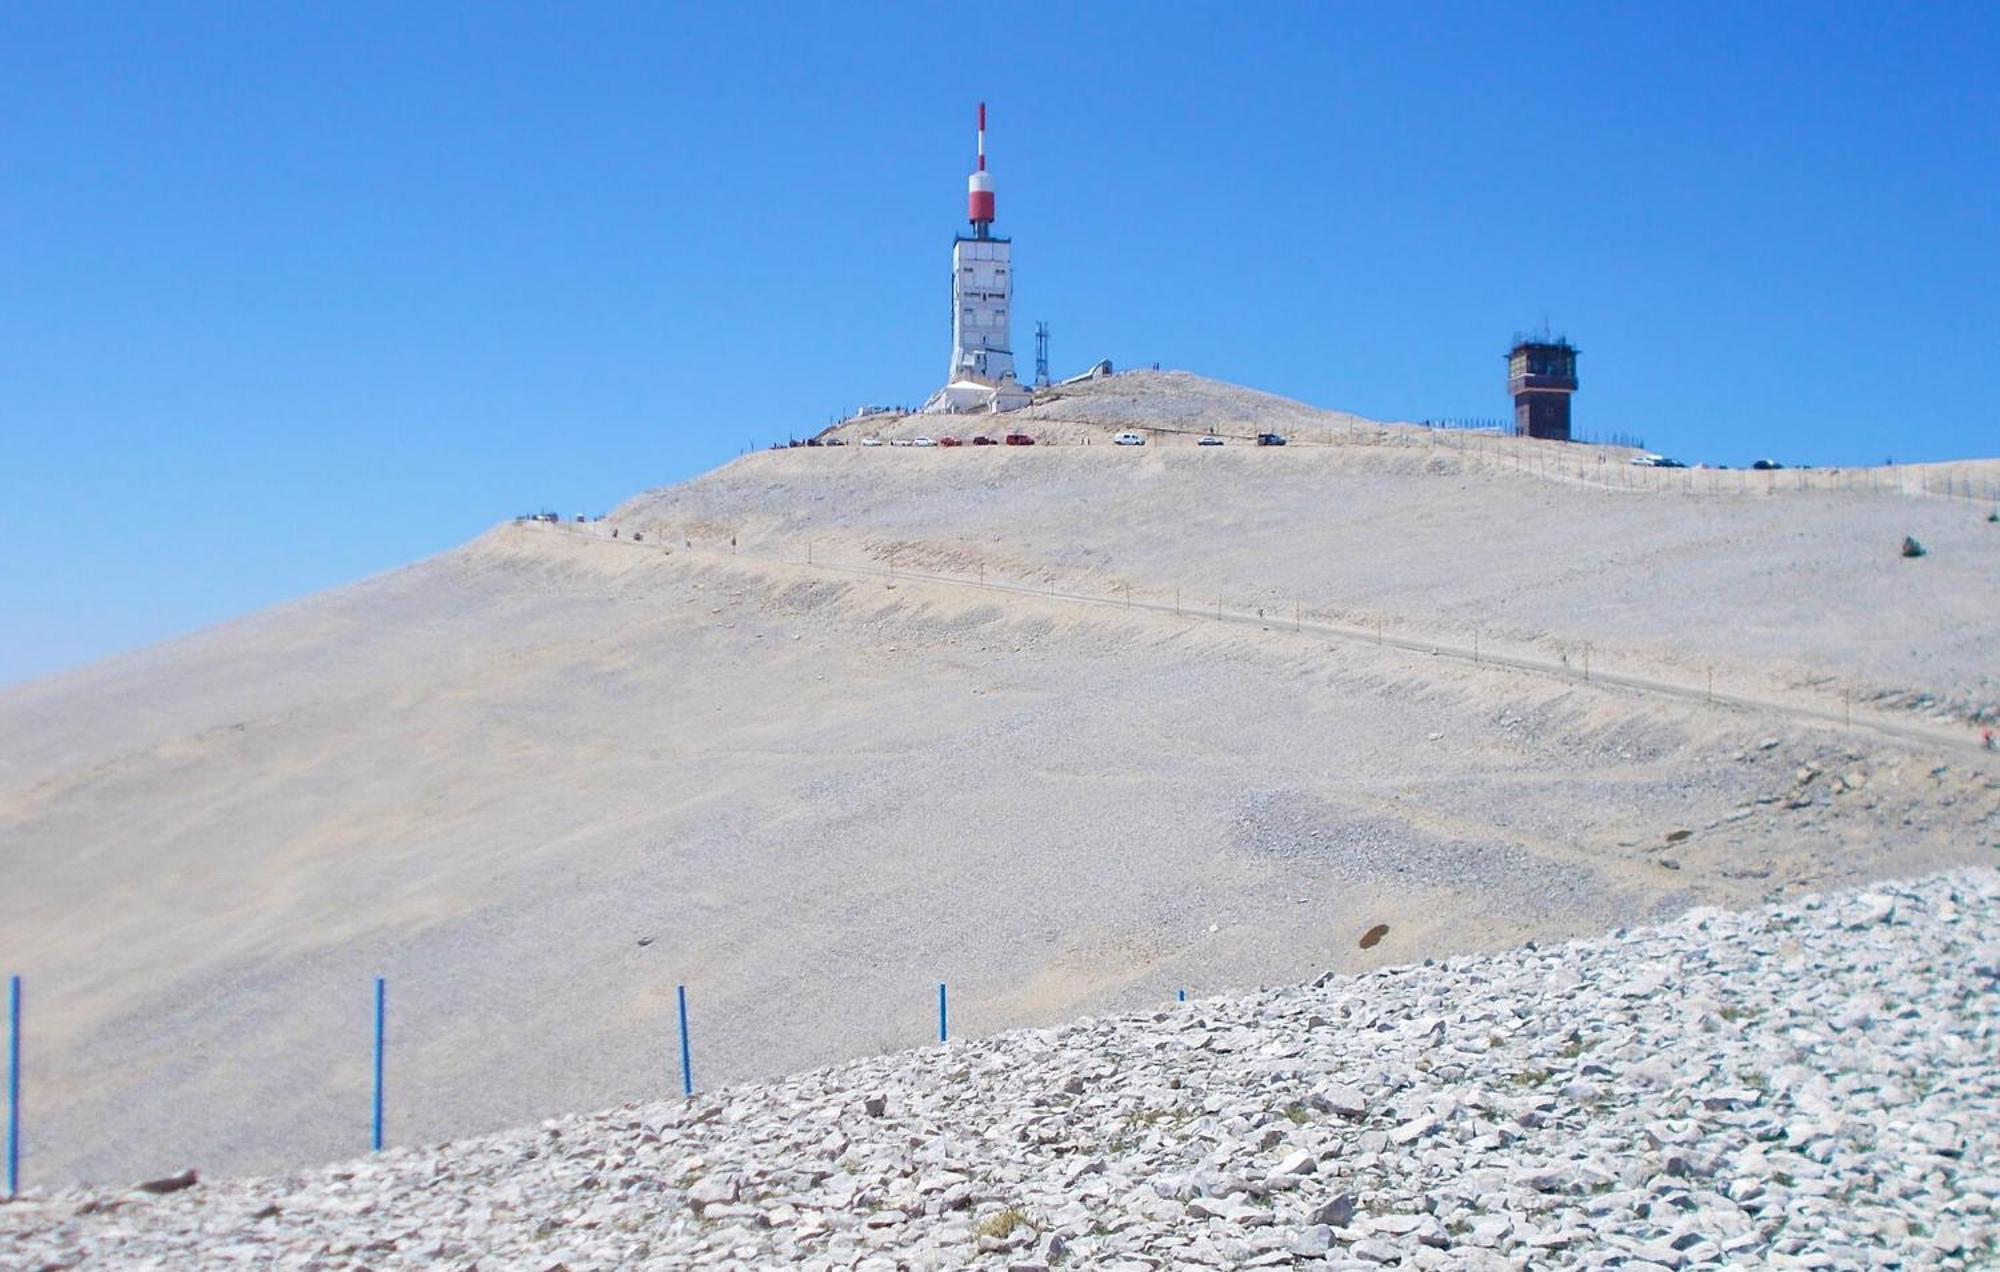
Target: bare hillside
819,741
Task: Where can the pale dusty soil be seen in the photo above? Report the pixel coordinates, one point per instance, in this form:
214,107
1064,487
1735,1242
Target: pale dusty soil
491,775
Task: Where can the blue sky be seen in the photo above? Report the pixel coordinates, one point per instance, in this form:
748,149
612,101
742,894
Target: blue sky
293,294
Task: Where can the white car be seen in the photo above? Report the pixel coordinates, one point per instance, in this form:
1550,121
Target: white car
1129,439
923,441
871,441
1209,440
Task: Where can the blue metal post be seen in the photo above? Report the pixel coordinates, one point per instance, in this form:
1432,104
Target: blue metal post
941,1018
687,1061
1180,995
380,1020
14,1086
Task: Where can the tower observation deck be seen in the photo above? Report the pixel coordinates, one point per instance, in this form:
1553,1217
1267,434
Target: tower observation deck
1541,376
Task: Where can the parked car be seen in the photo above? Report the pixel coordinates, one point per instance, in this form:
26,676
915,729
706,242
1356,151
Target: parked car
984,440
900,441
1767,465
871,441
1647,461
1270,439
949,441
835,441
1669,463
1019,439
1129,438
1210,440
923,441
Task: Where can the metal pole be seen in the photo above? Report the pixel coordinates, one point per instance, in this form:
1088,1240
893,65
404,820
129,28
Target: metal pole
381,994
687,1063
1180,995
14,1086
941,1016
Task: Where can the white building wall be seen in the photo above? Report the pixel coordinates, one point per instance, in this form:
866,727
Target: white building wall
982,292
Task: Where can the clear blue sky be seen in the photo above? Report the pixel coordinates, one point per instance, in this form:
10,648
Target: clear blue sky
292,294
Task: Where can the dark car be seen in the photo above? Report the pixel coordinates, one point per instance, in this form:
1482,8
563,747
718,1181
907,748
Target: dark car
984,440
1270,439
949,440
1767,465
1019,439
834,441
1670,463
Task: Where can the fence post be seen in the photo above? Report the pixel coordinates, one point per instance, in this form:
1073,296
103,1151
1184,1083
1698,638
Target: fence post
381,995
942,1035
1180,995
687,1062
14,1086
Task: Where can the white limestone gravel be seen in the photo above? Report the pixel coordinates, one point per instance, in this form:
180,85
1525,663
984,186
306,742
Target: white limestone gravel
1808,1085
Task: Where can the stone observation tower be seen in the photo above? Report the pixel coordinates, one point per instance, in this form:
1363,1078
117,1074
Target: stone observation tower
1541,374
982,292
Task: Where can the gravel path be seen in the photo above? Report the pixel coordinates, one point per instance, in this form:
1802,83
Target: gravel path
1809,1085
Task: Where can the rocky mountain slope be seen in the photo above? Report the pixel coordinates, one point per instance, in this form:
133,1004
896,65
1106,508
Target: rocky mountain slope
849,722
1809,1085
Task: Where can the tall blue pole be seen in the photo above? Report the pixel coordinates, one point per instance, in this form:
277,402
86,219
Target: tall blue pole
14,1086
941,1029
687,1061
380,997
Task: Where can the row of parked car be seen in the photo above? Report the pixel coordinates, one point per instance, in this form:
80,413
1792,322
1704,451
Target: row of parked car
1126,438
1661,461
1011,439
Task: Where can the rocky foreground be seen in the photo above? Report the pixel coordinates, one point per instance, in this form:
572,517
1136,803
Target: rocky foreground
1812,1085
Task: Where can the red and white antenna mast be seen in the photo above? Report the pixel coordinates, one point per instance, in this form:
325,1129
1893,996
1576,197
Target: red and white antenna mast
979,189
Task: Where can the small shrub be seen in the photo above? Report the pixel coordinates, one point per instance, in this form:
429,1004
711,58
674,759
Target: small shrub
1001,1225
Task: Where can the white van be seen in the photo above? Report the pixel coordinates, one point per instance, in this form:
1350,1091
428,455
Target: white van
1129,438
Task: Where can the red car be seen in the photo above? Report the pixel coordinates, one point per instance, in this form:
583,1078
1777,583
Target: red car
949,441
1019,439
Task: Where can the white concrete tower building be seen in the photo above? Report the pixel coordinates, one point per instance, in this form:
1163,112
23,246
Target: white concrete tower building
982,294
